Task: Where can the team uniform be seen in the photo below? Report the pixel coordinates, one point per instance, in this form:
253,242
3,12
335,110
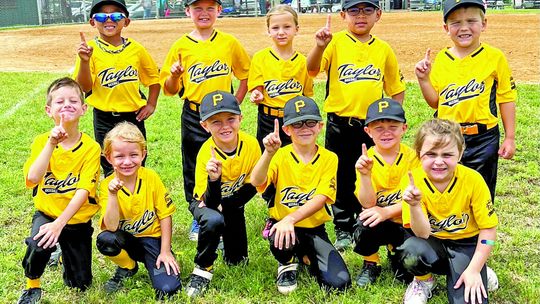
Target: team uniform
117,74
69,170
208,66
296,183
282,80
471,99
139,229
232,192
456,215
358,74
385,179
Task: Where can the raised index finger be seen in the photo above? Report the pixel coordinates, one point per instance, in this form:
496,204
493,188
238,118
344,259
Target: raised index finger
328,21
428,54
213,151
83,39
179,58
411,179
62,120
276,127
364,149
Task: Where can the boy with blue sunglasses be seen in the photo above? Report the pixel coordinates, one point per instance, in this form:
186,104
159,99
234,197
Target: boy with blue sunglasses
111,69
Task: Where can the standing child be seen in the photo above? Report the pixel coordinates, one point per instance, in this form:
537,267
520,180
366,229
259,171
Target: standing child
198,63
62,170
360,68
449,209
379,171
304,175
278,73
111,68
222,187
136,215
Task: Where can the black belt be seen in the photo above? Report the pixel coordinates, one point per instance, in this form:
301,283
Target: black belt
343,120
193,106
116,114
271,111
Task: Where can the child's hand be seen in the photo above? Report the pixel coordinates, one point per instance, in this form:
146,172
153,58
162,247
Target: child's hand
145,112
324,35
115,184
49,234
272,142
169,262
58,133
213,167
177,69
508,148
256,96
373,216
84,51
284,231
412,195
364,164
423,67
474,288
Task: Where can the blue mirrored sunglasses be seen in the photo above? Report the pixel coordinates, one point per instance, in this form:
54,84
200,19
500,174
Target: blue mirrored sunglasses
102,17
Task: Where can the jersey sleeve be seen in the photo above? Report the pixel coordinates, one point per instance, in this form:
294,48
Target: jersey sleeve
35,150
308,85
165,72
90,171
327,184
201,176
506,86
162,199
240,62
327,57
393,79
103,198
255,78
149,71
482,205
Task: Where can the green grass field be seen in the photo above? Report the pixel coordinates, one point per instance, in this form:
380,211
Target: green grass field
516,258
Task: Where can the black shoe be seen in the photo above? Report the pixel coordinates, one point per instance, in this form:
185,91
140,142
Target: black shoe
30,296
56,258
343,240
399,272
120,275
198,282
369,274
286,278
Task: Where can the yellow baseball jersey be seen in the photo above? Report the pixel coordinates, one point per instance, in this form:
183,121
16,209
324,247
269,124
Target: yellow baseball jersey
460,211
117,73
358,74
470,89
281,79
236,169
140,211
386,178
208,65
297,182
68,171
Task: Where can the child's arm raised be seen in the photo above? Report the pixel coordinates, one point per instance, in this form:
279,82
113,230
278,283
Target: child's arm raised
364,164
322,39
111,219
419,222
271,143
165,255
508,116
84,77
422,70
172,84
474,289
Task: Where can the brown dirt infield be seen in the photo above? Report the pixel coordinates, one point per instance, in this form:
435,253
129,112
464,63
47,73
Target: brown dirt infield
409,33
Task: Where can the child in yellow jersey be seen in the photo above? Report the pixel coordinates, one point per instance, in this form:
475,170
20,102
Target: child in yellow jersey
62,170
198,63
467,83
449,209
222,187
278,73
378,173
111,69
361,68
136,216
304,175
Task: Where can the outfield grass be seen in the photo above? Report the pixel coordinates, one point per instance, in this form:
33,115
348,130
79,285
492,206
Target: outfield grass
516,257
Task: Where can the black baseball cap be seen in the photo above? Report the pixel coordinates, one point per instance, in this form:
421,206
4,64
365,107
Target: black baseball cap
385,108
218,102
190,2
96,4
345,4
450,5
300,108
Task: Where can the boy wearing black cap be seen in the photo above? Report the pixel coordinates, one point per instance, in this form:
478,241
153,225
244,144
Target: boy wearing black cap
111,68
304,175
222,187
360,68
378,173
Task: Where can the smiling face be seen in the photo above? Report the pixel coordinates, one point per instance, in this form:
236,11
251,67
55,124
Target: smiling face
65,103
361,24
439,157
386,134
304,133
110,31
125,157
203,13
464,26
282,29
224,129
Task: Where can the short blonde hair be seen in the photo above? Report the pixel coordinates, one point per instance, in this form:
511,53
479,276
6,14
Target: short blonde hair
126,132
281,9
445,131
64,82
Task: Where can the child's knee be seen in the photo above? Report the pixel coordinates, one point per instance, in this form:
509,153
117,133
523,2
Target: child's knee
413,256
33,246
106,244
213,222
167,289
